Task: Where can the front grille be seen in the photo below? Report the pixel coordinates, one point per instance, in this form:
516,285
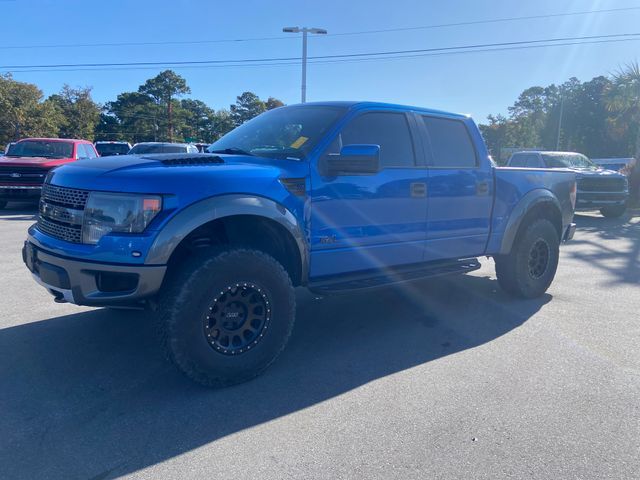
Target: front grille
69,233
67,197
600,184
69,202
22,175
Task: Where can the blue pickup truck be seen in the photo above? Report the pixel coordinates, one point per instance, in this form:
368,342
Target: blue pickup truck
335,197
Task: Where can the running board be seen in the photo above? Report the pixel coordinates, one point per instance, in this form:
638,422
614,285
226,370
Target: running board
376,279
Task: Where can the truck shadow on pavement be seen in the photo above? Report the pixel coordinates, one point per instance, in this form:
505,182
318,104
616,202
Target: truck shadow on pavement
89,396
622,265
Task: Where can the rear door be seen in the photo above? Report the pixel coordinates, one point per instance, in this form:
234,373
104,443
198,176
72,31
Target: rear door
459,191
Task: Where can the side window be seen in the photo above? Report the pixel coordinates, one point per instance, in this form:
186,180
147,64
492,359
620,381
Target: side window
451,145
90,152
389,130
82,153
518,160
533,161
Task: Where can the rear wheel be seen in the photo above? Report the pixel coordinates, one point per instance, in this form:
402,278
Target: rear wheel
613,211
226,316
528,270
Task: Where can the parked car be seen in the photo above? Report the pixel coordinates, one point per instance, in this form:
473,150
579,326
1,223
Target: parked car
598,188
27,162
162,147
335,197
106,148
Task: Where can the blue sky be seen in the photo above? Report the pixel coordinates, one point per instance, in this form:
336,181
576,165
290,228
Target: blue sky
479,83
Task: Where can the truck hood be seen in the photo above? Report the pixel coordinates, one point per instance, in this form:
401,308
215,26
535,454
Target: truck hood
188,175
593,173
40,162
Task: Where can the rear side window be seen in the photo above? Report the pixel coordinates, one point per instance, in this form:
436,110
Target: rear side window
389,130
450,143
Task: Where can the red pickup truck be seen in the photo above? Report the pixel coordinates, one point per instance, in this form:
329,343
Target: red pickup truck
27,162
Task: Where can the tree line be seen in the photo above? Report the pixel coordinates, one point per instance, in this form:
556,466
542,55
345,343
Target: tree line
600,118
155,112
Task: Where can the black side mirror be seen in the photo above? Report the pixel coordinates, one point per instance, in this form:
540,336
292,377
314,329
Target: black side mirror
354,160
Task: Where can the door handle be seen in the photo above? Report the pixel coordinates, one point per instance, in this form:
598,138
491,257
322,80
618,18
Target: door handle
482,188
418,189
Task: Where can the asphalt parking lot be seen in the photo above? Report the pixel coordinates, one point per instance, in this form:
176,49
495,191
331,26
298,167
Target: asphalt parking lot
447,378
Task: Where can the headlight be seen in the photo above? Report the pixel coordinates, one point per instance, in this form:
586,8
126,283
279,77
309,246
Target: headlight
117,212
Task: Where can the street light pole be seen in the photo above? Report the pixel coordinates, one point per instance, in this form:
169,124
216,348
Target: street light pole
305,31
303,87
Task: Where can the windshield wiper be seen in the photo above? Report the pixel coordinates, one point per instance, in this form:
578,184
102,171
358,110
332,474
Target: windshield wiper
232,151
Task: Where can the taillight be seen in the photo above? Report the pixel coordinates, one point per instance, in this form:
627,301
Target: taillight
572,194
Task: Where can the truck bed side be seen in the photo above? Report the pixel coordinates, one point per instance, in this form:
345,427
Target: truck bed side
517,191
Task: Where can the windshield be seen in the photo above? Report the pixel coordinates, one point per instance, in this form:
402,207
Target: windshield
280,133
567,160
151,148
106,149
41,148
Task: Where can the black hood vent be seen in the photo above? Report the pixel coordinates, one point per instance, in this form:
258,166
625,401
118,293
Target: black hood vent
185,159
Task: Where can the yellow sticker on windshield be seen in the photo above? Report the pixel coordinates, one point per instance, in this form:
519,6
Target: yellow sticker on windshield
299,142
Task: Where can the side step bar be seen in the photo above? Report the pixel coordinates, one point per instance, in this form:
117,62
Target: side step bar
375,279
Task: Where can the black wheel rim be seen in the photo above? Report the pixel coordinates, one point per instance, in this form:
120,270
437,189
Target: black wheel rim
538,258
237,318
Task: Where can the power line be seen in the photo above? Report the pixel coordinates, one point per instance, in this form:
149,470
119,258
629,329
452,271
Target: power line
353,60
288,37
382,54
358,60
494,20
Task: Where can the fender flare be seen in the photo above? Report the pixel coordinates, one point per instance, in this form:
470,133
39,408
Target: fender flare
214,208
532,199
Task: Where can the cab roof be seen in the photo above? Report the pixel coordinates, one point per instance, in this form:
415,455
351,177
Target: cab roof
67,140
357,105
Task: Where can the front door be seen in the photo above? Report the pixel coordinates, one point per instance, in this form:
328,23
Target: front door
365,222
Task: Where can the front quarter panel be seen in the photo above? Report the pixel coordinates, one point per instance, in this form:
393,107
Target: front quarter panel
187,220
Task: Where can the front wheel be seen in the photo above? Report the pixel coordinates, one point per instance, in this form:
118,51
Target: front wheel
226,316
528,270
613,211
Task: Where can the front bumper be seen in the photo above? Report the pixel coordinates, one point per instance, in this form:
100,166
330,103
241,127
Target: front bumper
89,283
20,192
586,200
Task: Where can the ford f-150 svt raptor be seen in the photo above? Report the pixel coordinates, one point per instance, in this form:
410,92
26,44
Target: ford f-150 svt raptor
334,197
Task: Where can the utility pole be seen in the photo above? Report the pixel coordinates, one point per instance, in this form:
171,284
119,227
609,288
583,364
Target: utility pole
304,31
560,122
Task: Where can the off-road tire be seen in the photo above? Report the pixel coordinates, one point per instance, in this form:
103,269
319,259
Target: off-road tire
520,272
613,211
185,303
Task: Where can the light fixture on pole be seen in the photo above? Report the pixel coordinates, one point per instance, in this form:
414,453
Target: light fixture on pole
305,31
